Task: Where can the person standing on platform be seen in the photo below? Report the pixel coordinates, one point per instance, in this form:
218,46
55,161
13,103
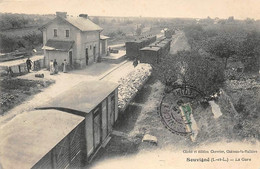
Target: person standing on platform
55,64
29,64
51,67
87,60
65,66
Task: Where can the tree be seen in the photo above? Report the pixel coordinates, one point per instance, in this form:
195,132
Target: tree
195,34
8,44
250,50
191,68
138,31
231,19
249,21
223,46
113,21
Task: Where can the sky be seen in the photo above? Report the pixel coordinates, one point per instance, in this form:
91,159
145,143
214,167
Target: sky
240,9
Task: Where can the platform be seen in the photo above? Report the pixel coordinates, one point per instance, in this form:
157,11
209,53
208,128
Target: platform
115,57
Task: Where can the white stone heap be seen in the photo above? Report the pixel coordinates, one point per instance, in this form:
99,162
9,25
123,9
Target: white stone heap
130,84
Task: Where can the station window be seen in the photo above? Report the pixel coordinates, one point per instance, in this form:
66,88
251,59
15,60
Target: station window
67,33
55,32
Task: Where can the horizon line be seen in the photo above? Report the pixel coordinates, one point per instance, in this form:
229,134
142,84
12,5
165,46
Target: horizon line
114,16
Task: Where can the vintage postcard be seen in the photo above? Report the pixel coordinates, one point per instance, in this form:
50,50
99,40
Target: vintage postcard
130,84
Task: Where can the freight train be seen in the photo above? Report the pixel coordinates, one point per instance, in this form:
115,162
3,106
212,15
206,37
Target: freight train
153,53
133,47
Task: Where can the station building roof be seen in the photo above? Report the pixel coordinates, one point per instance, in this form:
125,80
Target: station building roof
81,23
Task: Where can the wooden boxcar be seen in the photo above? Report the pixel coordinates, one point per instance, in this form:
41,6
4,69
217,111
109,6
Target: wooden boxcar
66,132
155,51
133,47
150,54
43,139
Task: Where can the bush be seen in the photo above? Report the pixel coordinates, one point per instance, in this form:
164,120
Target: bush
112,34
191,68
8,44
12,43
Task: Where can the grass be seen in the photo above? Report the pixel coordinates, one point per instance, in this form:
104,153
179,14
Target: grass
14,91
246,102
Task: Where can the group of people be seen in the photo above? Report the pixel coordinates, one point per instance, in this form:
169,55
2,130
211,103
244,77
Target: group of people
54,68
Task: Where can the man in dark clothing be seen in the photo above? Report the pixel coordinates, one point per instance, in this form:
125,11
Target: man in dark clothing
135,63
87,60
29,64
55,64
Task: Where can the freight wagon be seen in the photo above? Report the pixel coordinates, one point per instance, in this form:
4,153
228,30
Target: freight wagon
65,132
168,33
155,51
150,54
133,47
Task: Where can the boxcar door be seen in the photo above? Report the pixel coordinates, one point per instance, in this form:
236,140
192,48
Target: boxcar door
104,120
97,128
112,109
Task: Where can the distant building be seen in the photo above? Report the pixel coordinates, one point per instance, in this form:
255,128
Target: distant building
76,39
103,45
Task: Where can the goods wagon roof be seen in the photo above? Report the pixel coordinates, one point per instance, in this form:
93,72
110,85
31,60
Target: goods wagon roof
83,97
31,135
153,48
134,41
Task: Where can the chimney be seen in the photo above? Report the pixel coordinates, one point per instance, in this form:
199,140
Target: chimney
61,14
84,16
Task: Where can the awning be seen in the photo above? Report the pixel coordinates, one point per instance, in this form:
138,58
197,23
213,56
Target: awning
58,45
103,37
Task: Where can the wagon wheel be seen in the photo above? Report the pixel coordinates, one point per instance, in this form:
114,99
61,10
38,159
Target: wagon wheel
169,107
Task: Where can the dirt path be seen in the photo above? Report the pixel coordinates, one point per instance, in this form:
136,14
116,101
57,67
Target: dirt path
179,42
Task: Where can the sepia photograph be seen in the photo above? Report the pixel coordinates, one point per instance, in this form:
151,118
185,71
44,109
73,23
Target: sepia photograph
130,84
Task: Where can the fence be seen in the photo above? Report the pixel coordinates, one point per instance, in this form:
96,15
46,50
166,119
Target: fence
19,67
